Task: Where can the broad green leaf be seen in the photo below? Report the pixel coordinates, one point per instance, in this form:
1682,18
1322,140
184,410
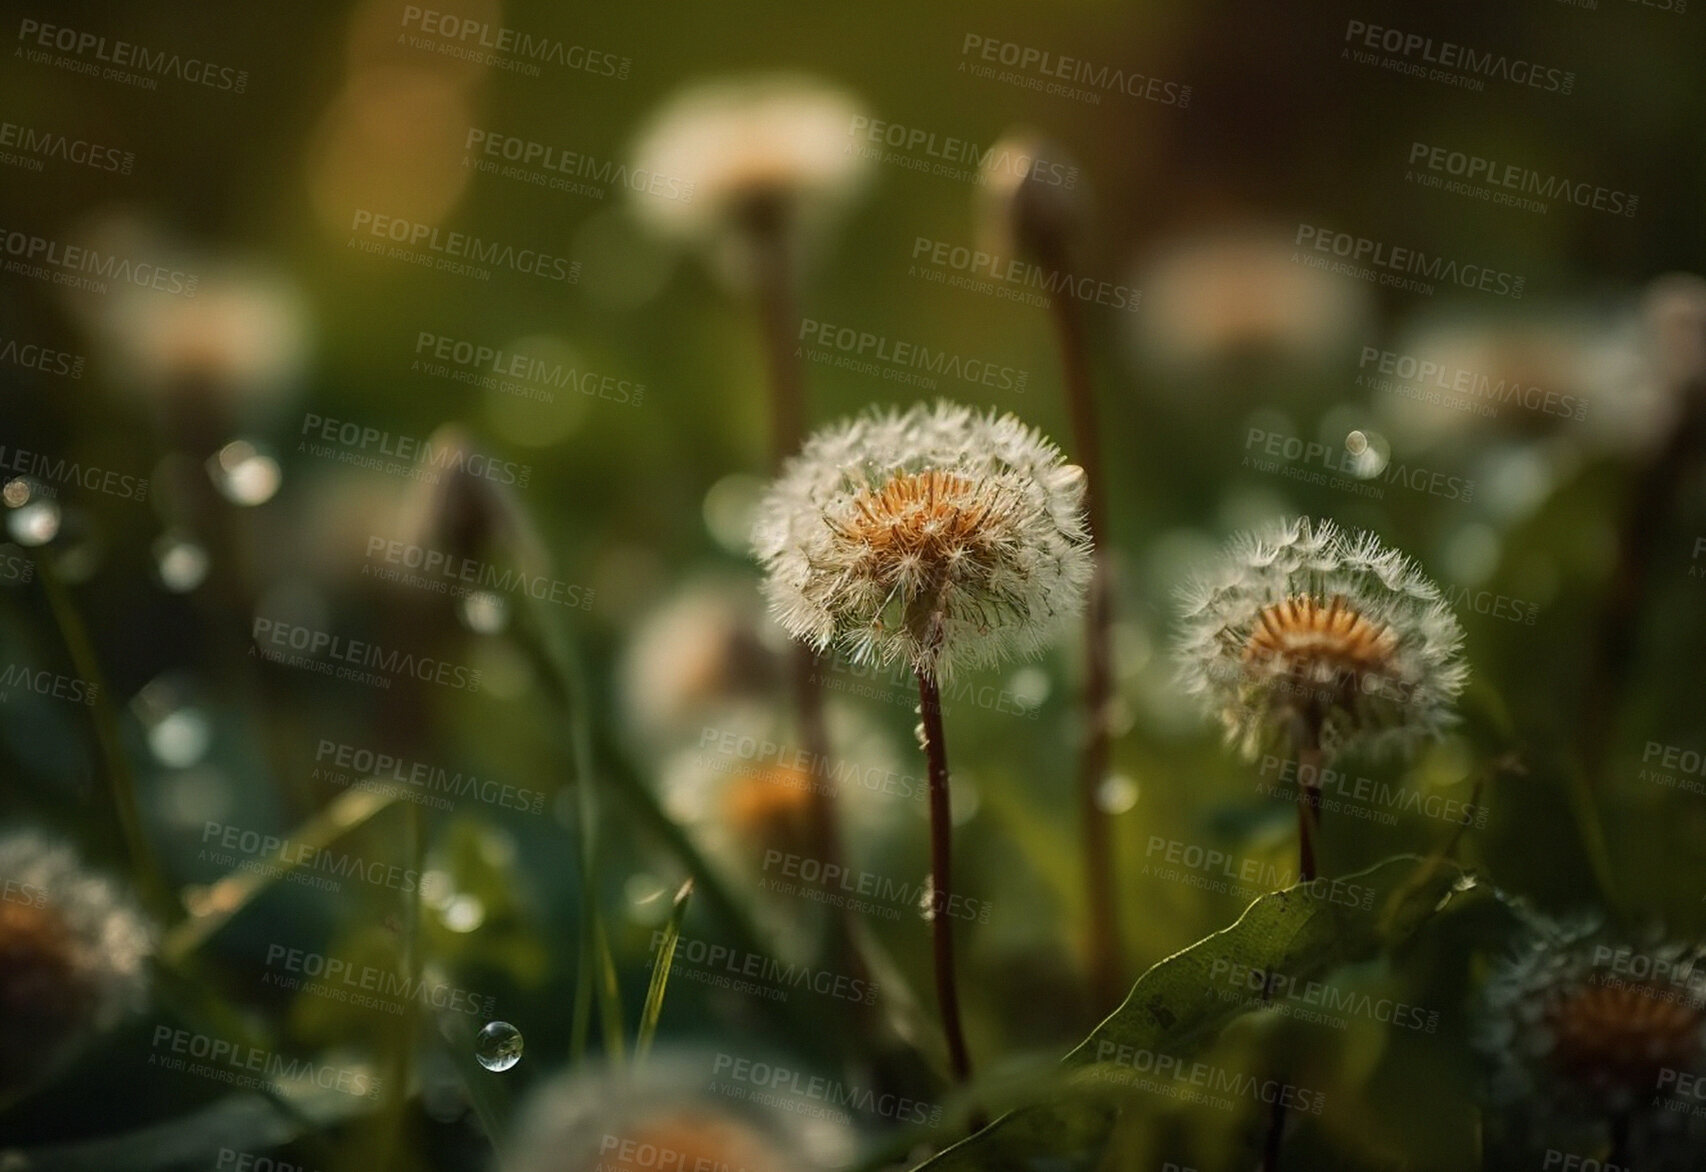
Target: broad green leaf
1178,1005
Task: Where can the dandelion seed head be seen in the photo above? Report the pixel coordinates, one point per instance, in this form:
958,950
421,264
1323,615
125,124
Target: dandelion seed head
73,955
1032,197
617,1121
1570,1032
1306,630
751,154
937,536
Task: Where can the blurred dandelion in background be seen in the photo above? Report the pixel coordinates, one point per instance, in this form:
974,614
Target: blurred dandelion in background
74,953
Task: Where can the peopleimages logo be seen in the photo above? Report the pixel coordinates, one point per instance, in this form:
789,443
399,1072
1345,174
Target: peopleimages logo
74,266
451,35
770,1076
1447,61
365,985
123,61
38,146
527,376
1070,77
1472,390
947,156
346,764
1018,280
459,253
241,1065
294,645
32,356
353,443
560,168
268,854
57,470
899,361
1398,267
1206,1078
1508,183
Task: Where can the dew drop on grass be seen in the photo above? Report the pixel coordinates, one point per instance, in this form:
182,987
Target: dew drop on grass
498,1046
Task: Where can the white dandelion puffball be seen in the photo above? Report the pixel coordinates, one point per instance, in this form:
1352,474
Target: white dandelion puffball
672,1111
74,953
1312,633
721,152
1568,1028
937,535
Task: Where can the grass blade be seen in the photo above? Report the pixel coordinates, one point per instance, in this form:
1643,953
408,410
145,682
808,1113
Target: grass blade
660,973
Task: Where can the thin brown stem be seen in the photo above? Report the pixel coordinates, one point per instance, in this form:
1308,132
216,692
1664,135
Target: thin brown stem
1276,1135
1647,513
941,876
1310,760
1104,943
1308,809
779,319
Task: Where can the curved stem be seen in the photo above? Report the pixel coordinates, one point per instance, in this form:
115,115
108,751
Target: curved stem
941,876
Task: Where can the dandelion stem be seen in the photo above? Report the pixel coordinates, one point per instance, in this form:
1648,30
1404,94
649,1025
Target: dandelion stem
1308,808
1105,976
779,317
1649,509
941,878
145,866
1309,763
1276,1135
777,311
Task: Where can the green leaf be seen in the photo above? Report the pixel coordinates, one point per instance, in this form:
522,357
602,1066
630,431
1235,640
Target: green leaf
660,973
1178,1005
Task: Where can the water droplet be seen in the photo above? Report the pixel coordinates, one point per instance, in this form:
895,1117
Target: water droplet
483,612
1116,794
181,738
1368,451
182,564
437,888
17,492
498,1046
464,913
34,523
243,474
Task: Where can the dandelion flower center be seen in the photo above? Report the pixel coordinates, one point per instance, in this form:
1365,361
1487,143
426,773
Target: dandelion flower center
770,807
921,525
1622,1033
1305,638
938,536
693,1139
1305,634
39,969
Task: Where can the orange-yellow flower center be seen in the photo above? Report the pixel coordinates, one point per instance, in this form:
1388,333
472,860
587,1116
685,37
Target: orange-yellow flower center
1623,1033
1305,637
920,519
44,992
690,1139
770,808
